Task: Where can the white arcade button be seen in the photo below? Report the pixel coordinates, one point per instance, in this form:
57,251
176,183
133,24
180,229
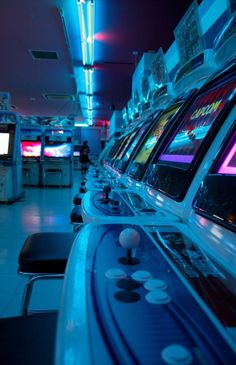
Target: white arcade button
115,274
141,275
154,284
177,355
158,297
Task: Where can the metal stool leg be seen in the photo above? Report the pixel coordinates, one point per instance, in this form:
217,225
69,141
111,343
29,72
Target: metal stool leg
29,288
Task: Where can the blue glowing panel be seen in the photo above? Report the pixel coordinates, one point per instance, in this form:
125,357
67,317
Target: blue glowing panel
57,150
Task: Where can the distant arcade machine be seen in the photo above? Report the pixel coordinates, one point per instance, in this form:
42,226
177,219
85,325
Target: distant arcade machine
10,158
31,150
57,165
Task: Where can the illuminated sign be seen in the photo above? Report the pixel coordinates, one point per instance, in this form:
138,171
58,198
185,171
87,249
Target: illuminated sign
205,110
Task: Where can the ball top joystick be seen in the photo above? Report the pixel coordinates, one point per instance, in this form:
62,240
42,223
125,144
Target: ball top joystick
129,239
106,190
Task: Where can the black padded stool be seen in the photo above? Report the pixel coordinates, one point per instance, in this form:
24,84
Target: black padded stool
43,256
28,340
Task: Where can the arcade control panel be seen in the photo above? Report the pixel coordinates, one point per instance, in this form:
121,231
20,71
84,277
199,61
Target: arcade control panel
122,204
144,310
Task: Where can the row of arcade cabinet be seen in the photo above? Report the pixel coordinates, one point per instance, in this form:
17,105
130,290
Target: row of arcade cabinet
47,157
155,265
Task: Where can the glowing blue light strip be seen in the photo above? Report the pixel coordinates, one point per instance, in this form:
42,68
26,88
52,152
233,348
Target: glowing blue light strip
88,80
90,23
82,32
86,11
78,124
89,102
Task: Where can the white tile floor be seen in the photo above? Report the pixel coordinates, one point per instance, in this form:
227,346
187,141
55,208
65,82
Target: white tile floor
42,210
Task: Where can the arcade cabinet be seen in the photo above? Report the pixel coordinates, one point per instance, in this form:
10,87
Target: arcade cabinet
158,294
10,158
57,165
31,148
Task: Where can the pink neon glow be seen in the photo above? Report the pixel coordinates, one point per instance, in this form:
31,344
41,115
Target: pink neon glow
102,37
177,158
225,168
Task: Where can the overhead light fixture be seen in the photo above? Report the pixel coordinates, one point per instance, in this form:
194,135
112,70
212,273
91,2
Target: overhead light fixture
86,12
90,34
83,33
88,80
78,124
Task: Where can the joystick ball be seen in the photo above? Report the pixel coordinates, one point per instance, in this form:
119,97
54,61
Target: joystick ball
129,238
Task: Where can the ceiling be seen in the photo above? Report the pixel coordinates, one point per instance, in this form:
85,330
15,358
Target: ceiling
122,27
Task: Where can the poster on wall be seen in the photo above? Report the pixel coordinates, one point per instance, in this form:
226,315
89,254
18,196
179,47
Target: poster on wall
5,101
188,35
55,122
159,69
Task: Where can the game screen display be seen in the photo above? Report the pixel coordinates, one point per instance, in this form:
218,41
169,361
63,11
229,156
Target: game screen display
30,149
153,136
135,141
126,144
55,149
120,149
195,126
4,143
216,198
174,168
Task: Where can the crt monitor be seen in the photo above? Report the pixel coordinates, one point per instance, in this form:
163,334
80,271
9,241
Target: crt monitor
138,165
4,143
124,148
174,168
57,149
7,134
31,149
76,152
141,131
216,198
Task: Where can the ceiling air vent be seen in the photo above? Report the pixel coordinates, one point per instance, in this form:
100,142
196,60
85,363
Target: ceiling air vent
44,55
62,97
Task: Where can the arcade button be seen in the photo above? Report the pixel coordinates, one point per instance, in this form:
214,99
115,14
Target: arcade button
115,274
176,355
127,296
141,276
157,297
154,284
128,284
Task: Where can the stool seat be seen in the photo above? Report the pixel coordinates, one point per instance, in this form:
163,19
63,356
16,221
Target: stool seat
46,252
43,256
28,340
76,215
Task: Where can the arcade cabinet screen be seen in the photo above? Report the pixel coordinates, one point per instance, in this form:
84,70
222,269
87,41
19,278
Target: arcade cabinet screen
55,149
126,144
120,147
173,165
30,148
4,143
135,141
154,135
216,198
76,152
